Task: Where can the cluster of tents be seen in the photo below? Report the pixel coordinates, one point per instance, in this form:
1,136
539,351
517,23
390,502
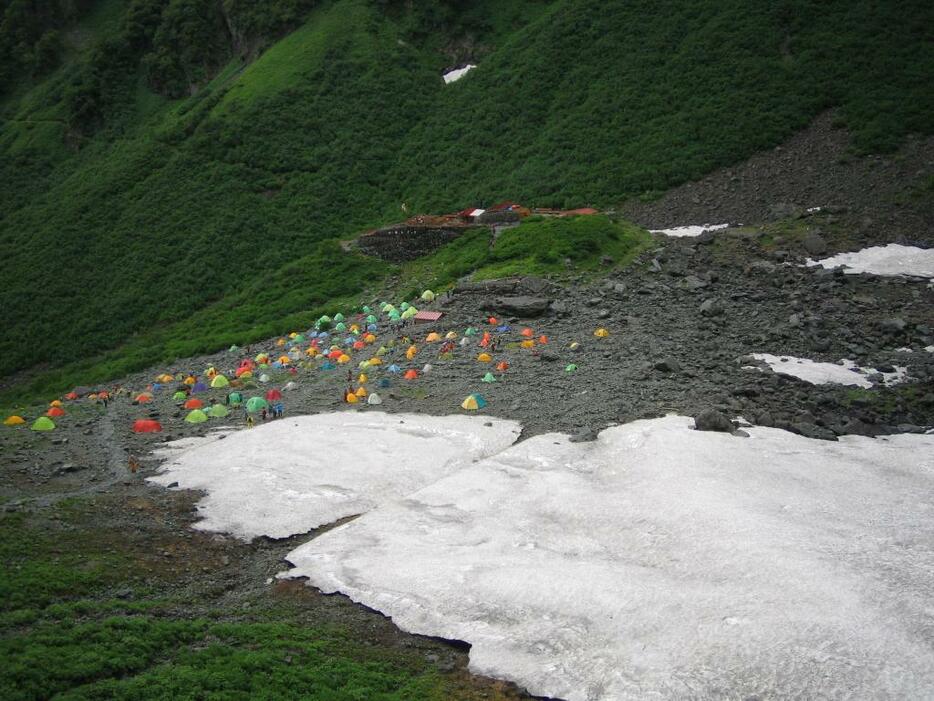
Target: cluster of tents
332,342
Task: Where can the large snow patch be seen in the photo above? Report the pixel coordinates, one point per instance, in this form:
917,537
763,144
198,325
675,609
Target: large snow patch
846,372
295,474
663,562
889,260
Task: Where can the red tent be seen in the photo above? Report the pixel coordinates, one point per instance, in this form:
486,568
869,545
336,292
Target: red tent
55,411
146,426
273,395
194,404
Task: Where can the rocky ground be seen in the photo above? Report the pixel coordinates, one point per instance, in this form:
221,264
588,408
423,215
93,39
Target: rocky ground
681,319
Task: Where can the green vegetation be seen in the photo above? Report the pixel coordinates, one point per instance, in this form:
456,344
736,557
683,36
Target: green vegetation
169,186
63,635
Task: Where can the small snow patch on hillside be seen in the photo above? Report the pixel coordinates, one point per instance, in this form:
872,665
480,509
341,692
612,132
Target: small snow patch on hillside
846,372
458,73
691,230
889,260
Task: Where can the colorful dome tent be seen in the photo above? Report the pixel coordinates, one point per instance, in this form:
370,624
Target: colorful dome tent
235,399
55,403
43,423
146,426
473,402
193,404
199,387
570,368
488,378
165,378
428,296
256,404
484,358
374,398
14,420
273,395
411,374
219,382
179,396
55,412
601,333
196,417
71,396
338,317
433,337
218,411
409,313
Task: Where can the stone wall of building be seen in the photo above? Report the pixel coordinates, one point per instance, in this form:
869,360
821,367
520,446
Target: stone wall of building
404,242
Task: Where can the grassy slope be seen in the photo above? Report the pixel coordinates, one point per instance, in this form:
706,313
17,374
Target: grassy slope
63,634
195,222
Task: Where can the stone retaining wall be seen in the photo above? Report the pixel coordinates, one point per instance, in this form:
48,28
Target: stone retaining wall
398,244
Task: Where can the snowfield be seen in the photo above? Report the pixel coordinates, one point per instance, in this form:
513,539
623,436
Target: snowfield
663,562
846,372
889,260
292,475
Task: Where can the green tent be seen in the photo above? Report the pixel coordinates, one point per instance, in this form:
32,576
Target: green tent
43,423
218,411
471,331
570,368
428,296
219,382
409,313
235,399
371,319
394,315
298,339
256,404
488,378
404,306
196,417
233,349
365,309
179,396
338,317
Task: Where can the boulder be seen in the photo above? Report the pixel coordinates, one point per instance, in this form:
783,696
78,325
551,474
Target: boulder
712,307
523,306
713,420
814,244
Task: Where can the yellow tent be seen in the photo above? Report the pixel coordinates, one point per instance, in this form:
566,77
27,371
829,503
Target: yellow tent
484,358
352,398
410,353
165,378
362,379
369,338
210,372
280,342
432,337
528,344
344,358
220,382
14,420
361,392
375,361
473,402
450,335
55,402
601,333
190,380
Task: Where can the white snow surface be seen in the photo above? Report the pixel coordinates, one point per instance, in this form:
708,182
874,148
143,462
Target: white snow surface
662,562
846,372
691,230
292,475
458,73
889,260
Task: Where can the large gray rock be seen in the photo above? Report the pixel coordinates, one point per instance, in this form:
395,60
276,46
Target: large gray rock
713,420
815,245
523,306
712,307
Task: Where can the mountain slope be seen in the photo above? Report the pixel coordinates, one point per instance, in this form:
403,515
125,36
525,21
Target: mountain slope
225,204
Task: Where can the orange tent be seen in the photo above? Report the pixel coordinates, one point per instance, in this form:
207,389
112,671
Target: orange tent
543,340
194,403
359,345
55,402
141,398
493,321
527,332
410,374
503,366
146,426
484,357
55,412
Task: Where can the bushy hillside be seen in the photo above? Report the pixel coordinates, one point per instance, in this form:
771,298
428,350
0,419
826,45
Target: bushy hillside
138,219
